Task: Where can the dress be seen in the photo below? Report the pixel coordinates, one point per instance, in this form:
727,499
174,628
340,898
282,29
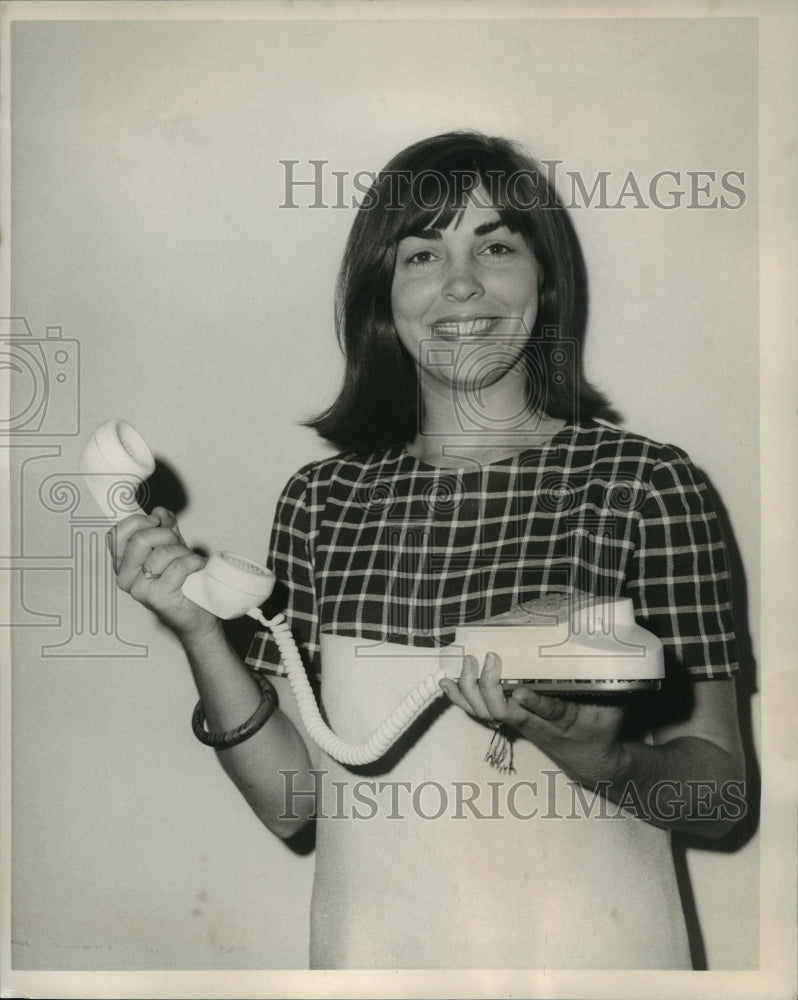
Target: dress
386,549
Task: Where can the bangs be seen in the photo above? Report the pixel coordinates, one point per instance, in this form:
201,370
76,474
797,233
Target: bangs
435,198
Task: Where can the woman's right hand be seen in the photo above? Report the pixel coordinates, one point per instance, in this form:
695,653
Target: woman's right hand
152,561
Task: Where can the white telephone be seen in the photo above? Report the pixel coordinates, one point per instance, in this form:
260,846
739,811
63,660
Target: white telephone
567,644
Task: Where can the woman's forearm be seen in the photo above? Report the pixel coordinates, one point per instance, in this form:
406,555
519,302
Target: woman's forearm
688,784
229,695
691,778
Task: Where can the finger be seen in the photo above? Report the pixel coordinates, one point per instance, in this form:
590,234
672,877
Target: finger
162,557
138,550
452,692
174,576
545,707
154,590
130,525
468,683
118,536
490,686
167,519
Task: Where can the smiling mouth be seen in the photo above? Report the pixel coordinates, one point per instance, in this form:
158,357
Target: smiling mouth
452,329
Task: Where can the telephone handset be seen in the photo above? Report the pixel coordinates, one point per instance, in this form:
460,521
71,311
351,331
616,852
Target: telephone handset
230,586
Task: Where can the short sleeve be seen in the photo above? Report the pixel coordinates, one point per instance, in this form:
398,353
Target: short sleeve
679,577
294,594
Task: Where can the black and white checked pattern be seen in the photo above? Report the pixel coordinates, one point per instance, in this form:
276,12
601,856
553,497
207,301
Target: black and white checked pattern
385,547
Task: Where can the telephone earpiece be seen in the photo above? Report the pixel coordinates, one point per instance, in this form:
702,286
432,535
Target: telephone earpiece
228,585
114,455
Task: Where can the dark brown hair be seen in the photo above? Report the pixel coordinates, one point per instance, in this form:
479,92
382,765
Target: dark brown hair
430,182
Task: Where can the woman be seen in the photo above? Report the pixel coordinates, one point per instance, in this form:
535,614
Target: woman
473,477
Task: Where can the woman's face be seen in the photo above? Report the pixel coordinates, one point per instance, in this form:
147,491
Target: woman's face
473,286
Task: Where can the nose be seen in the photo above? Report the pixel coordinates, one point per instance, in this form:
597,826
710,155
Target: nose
462,282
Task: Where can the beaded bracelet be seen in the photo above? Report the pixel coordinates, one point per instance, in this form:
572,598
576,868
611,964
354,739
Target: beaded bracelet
259,718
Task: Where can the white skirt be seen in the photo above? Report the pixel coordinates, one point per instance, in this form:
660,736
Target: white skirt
431,858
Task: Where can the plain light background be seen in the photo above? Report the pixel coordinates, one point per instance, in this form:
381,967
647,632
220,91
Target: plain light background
146,222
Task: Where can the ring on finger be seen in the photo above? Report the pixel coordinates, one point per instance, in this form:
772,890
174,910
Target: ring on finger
148,574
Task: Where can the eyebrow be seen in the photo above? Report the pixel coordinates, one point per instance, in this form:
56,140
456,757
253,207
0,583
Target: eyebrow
435,234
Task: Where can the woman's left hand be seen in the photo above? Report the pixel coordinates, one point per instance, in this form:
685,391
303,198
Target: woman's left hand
582,737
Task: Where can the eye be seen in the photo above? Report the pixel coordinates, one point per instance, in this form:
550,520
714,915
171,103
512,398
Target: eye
497,250
420,257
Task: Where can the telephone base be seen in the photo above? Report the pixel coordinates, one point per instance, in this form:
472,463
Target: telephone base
584,686
569,643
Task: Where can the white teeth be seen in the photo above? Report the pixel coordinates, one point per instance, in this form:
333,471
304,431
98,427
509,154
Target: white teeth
466,328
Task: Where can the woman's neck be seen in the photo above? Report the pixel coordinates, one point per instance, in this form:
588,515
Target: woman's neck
461,428
462,450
